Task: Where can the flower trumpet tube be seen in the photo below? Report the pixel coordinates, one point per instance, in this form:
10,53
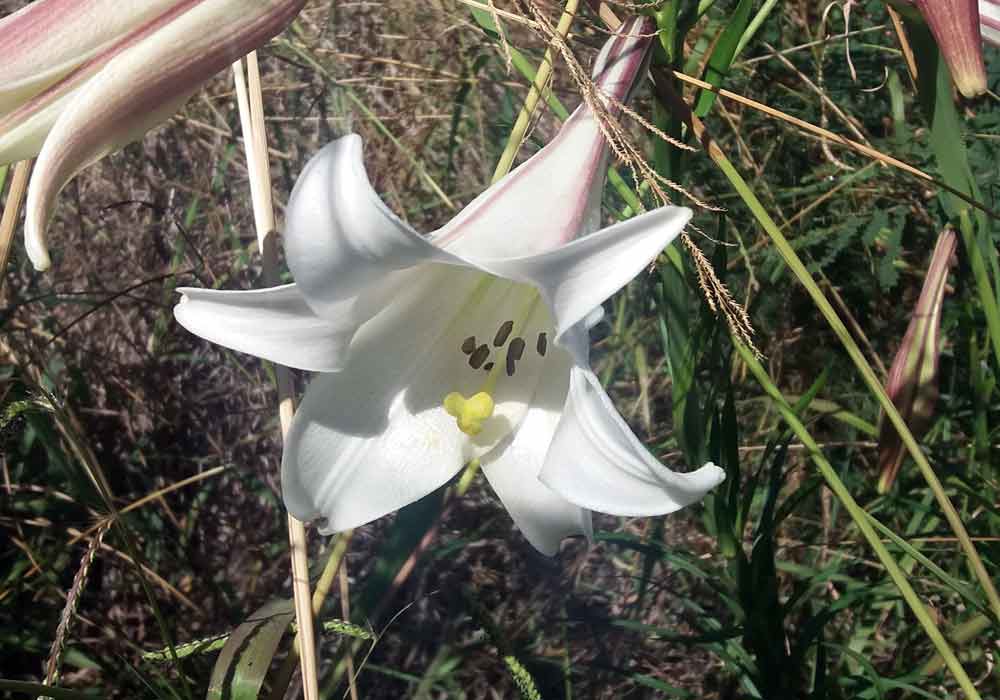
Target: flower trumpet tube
468,344
82,78
955,25
913,378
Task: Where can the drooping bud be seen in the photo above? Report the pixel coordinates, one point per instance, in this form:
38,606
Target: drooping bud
955,25
912,384
82,78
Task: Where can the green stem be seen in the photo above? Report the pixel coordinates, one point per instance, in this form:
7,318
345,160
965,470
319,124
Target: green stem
861,519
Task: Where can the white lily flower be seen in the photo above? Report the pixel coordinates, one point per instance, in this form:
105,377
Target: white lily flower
471,343
81,79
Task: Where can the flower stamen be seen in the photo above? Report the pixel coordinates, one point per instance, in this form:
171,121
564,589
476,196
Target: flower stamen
514,353
477,358
503,333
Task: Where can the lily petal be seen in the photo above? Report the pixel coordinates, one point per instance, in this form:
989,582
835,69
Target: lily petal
577,277
339,235
275,324
544,517
142,87
47,39
596,462
989,21
366,440
569,170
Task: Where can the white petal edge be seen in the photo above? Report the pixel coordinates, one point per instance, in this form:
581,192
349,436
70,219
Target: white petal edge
544,517
275,324
597,462
989,21
339,235
580,275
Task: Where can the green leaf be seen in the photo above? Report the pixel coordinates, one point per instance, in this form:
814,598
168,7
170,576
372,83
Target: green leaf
242,664
723,55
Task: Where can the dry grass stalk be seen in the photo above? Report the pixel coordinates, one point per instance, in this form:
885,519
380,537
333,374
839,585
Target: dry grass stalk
72,602
250,100
15,198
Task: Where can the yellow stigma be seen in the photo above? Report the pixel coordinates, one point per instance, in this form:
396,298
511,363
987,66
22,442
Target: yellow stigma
469,413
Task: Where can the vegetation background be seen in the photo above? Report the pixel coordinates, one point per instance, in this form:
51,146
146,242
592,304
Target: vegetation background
768,589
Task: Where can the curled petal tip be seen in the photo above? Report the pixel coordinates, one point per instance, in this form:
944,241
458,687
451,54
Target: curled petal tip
168,51
34,242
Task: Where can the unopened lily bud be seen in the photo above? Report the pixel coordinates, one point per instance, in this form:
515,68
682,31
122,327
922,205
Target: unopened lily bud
912,384
82,79
955,26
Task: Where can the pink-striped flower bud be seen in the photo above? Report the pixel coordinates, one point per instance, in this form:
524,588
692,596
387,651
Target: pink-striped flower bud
82,78
912,384
955,25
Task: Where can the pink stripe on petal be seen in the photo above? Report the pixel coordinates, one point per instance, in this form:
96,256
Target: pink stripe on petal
955,25
43,41
12,149
555,195
142,87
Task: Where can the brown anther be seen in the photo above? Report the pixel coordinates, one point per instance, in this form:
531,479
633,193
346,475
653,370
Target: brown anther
469,344
514,353
517,348
479,356
542,345
503,333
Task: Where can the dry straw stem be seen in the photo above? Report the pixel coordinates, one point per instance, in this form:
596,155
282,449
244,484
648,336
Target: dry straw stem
15,198
250,101
333,563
